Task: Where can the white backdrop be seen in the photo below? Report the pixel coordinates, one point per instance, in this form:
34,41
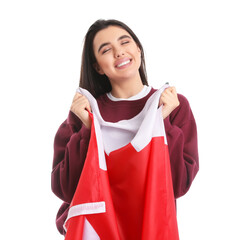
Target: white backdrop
197,46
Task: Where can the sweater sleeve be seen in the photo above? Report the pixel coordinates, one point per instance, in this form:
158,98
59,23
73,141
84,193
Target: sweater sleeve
70,149
181,134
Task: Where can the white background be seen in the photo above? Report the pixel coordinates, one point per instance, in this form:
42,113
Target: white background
198,46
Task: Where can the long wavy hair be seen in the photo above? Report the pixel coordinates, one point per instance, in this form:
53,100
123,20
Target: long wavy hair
90,79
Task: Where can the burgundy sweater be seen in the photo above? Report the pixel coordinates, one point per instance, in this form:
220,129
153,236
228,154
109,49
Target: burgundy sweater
72,139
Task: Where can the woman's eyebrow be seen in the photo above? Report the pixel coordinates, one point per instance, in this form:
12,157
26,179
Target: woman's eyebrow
107,43
123,36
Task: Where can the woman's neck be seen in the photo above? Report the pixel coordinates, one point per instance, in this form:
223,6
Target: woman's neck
126,88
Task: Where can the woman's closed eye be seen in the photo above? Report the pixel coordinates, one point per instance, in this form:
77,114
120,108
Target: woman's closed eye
106,50
109,48
125,42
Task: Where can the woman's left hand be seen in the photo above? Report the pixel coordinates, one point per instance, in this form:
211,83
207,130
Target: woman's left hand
169,100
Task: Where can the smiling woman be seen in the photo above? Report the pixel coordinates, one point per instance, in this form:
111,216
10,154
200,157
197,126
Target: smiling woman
98,43
114,87
119,58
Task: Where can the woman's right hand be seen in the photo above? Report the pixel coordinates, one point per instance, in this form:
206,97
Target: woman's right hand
80,107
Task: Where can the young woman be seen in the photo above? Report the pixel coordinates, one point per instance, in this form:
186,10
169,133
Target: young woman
113,71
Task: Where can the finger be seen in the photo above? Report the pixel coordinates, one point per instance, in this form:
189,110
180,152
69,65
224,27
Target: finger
174,91
88,108
83,101
170,91
77,95
86,104
163,99
172,88
79,100
166,92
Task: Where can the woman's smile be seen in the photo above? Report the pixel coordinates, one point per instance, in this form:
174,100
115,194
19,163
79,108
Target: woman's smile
123,63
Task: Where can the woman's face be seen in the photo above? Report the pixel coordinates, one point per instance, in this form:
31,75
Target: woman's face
117,54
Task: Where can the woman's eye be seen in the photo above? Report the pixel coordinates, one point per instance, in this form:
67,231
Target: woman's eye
106,50
125,42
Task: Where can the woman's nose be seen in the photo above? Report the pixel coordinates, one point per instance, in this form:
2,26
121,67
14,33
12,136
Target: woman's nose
119,52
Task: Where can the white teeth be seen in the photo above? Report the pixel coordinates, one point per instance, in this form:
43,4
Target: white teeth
123,63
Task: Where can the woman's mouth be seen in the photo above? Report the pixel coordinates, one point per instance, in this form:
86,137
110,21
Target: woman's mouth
123,63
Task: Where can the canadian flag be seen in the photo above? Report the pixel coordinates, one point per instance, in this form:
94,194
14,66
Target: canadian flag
125,190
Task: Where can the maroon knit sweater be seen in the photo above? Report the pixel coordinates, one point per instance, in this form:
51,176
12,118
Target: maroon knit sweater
72,139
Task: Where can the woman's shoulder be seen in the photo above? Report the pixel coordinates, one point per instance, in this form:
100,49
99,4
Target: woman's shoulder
183,112
183,101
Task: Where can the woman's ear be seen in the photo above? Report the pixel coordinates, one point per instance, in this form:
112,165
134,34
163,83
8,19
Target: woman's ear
98,69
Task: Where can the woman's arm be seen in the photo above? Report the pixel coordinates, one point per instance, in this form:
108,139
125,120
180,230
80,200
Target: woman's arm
70,149
182,143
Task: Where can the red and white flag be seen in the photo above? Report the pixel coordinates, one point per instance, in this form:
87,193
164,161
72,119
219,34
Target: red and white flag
125,190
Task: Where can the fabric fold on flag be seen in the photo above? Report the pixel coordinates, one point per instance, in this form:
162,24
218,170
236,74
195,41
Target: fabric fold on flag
125,189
